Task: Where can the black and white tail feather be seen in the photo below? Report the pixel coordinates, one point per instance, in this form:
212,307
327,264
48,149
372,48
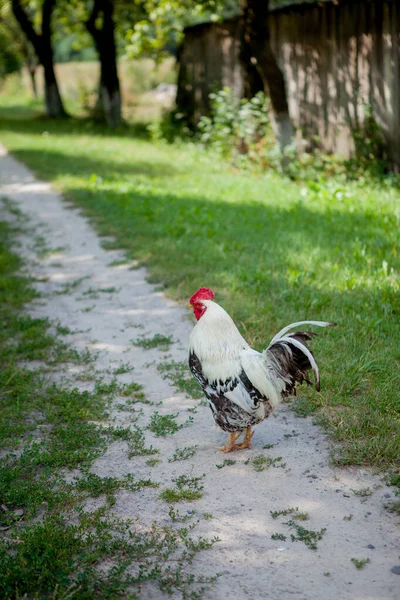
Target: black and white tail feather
292,357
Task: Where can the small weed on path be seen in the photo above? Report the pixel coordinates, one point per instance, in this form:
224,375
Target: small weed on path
162,425
360,563
307,536
227,463
278,536
123,368
183,453
137,444
162,342
178,373
186,488
261,462
294,512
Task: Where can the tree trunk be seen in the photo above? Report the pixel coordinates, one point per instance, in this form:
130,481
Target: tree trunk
104,39
256,46
53,102
32,75
252,82
44,51
111,102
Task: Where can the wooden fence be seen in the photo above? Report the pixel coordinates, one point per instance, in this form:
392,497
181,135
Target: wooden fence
337,60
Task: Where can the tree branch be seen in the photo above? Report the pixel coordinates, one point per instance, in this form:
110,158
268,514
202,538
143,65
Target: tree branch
27,27
91,23
47,11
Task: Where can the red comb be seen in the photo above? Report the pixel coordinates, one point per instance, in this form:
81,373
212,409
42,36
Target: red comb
202,294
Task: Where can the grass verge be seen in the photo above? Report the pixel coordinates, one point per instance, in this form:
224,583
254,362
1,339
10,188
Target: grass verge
52,543
275,252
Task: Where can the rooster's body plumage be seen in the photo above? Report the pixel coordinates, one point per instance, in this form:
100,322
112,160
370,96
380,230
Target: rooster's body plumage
244,386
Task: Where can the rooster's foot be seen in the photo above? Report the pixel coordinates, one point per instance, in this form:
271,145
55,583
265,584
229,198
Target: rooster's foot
246,441
230,445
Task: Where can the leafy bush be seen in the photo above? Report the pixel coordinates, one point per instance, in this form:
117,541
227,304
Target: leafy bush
171,127
238,128
369,149
241,131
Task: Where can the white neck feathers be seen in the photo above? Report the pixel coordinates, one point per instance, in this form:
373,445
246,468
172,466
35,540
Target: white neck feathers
215,337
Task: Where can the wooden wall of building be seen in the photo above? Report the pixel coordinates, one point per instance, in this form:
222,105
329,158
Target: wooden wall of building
336,58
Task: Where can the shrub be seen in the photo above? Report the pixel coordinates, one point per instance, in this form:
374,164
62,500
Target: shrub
238,129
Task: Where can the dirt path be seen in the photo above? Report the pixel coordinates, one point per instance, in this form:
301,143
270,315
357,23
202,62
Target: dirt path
250,562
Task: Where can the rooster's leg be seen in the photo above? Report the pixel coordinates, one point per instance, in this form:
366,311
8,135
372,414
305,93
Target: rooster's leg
230,445
246,441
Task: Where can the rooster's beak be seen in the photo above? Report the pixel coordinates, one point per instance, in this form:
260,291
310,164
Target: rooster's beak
190,305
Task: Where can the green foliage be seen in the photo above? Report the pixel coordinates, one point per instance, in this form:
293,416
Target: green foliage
160,27
370,149
307,536
227,463
54,556
162,342
394,479
171,127
186,488
153,462
178,373
261,462
162,425
363,492
294,512
178,517
238,129
72,48
278,536
10,61
137,444
183,453
360,563
108,485
12,45
287,511
123,368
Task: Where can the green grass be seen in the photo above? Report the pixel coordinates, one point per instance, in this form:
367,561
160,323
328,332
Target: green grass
273,251
51,547
261,462
307,536
297,516
179,375
137,444
360,563
162,342
278,536
162,425
186,488
227,463
183,453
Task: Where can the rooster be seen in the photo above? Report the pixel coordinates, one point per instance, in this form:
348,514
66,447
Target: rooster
243,386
